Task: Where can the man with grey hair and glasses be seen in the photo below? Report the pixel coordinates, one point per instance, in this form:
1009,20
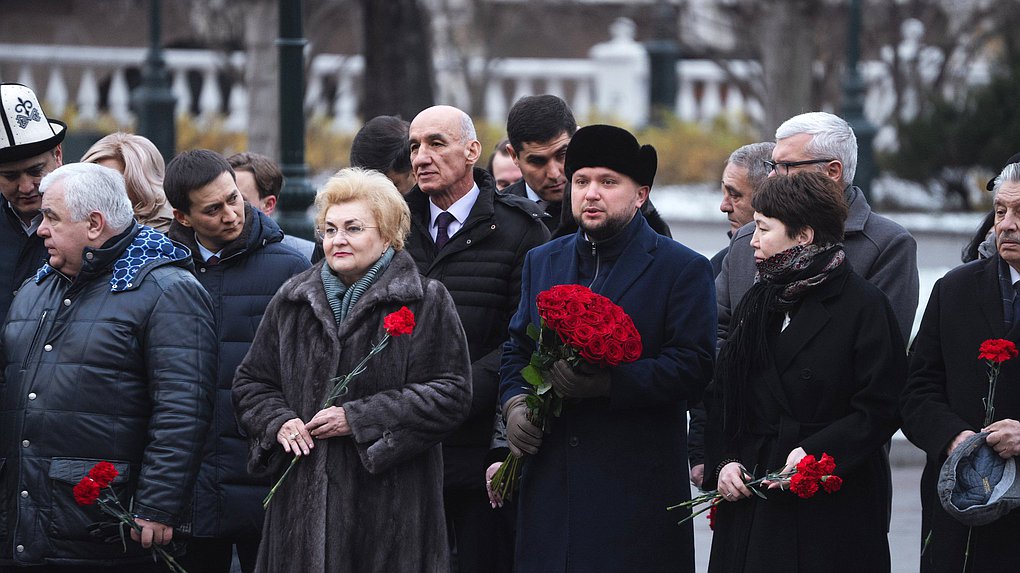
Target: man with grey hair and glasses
108,354
878,249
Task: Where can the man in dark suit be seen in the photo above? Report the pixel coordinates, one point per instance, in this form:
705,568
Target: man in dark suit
539,129
473,239
942,402
594,488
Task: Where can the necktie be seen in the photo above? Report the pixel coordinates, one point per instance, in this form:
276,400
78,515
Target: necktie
1016,302
443,229
542,204
213,260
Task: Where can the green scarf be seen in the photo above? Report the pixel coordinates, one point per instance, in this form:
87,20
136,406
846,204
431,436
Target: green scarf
342,297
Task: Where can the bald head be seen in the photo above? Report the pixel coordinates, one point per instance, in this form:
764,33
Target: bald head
444,150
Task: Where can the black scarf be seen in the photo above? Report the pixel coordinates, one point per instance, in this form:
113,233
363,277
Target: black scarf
782,281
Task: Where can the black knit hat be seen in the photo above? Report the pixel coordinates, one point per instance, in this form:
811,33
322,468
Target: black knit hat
613,148
991,182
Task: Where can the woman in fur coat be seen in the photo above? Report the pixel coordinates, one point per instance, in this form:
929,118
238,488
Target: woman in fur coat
369,495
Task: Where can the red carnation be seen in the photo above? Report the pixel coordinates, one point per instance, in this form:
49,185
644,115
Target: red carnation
86,492
808,466
103,474
804,486
831,484
997,350
826,465
711,517
400,322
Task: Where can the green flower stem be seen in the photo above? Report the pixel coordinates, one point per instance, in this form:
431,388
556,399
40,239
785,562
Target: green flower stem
338,390
714,497
993,377
113,508
504,481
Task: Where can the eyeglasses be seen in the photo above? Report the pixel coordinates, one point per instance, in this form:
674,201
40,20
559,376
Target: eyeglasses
783,167
350,231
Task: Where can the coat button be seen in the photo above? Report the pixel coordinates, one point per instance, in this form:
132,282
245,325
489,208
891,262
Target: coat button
25,443
90,256
574,441
468,242
67,302
493,227
20,548
31,395
806,374
201,270
24,493
48,347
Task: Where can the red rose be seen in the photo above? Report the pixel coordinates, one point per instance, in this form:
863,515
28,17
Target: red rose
103,474
997,350
594,351
614,352
400,322
803,485
582,335
631,350
831,484
86,492
826,465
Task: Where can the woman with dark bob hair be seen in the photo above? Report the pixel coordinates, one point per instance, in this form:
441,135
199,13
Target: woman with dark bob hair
369,495
814,365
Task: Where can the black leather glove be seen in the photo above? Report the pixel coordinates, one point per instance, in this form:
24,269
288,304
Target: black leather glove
581,381
522,436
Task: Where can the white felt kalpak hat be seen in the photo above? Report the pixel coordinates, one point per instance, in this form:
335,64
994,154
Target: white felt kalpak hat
26,131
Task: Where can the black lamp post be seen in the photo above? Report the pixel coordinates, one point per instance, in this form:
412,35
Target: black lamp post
298,193
853,104
153,100
663,53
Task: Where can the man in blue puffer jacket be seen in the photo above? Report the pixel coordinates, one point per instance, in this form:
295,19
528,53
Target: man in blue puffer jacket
241,263
108,354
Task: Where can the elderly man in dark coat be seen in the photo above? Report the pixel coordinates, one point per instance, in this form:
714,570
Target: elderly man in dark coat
109,354
594,490
942,402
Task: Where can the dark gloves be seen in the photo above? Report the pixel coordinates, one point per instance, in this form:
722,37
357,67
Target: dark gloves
522,436
581,381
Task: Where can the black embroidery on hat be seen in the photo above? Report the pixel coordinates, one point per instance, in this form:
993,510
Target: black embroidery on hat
30,113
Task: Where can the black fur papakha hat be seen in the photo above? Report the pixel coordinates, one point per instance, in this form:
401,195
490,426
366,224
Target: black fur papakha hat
613,148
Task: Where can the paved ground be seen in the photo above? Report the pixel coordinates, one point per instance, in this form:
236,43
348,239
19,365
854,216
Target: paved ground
904,534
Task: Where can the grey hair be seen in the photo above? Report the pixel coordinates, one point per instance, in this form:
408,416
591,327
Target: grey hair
91,187
752,157
831,137
1009,174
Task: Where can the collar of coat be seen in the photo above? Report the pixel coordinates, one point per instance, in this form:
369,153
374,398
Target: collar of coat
399,284
483,210
858,210
259,230
131,254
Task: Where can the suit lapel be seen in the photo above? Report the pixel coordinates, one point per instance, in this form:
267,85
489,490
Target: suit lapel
810,320
990,299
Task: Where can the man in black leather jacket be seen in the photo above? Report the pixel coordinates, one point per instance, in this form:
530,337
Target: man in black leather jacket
109,354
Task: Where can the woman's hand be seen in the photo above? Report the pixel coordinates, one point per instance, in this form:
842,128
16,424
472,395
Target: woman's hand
732,480
792,460
294,437
494,499
329,423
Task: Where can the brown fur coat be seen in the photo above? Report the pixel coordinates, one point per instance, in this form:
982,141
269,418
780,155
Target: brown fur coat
371,501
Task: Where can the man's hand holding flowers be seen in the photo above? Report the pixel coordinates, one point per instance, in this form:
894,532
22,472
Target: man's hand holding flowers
582,381
1004,437
522,435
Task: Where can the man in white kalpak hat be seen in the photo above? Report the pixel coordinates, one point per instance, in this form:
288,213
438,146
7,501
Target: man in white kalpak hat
29,149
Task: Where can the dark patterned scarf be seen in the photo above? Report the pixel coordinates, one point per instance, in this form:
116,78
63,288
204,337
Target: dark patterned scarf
782,281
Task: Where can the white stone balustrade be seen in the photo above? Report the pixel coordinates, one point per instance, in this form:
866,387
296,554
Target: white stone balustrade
74,76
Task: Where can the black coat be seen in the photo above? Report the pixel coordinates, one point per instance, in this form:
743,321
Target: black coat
943,397
20,256
116,365
551,218
832,387
228,500
481,267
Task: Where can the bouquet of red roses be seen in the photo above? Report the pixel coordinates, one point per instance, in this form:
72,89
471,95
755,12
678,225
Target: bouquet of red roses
806,479
396,323
95,488
576,325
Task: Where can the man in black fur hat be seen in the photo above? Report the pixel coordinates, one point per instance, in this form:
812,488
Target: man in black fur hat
594,488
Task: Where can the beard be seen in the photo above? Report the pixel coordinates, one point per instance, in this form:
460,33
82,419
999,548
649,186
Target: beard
606,229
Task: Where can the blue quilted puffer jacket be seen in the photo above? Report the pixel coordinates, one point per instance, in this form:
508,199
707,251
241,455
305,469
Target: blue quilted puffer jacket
117,365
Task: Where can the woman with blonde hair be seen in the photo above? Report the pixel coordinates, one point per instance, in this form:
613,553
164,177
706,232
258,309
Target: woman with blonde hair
369,498
142,166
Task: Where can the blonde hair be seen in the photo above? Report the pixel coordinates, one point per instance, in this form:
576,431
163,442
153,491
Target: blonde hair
143,169
387,205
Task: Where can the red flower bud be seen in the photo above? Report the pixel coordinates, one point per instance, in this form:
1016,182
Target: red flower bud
400,322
